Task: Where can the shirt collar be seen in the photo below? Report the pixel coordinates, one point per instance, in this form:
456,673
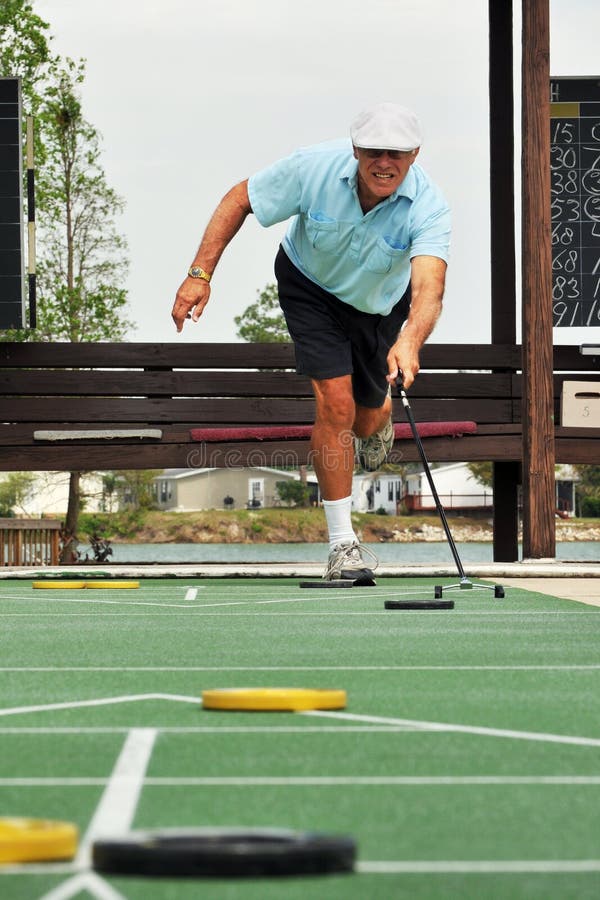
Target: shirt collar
408,188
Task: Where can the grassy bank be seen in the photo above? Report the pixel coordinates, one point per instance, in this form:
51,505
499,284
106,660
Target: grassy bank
280,526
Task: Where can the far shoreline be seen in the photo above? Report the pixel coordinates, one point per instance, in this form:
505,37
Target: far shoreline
295,526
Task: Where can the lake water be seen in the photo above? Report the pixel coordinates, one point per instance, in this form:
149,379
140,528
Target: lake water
413,553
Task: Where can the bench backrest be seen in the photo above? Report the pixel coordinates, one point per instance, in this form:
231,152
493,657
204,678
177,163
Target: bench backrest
174,387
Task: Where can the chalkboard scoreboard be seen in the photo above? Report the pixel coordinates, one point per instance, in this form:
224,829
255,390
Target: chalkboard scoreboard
575,198
12,280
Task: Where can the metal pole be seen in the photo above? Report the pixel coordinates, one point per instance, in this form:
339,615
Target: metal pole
31,225
440,508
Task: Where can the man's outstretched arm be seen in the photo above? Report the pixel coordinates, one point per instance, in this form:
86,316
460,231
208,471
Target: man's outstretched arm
226,221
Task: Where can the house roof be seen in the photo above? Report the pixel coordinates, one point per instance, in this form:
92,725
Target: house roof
176,474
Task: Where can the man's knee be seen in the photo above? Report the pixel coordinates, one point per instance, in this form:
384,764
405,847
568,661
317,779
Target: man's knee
335,402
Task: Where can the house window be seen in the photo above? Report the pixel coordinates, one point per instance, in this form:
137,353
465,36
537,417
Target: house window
165,491
390,490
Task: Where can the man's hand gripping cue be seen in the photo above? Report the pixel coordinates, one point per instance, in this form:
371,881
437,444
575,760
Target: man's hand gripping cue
403,364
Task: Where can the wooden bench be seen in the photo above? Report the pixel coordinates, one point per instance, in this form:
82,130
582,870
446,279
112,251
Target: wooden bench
133,405
162,391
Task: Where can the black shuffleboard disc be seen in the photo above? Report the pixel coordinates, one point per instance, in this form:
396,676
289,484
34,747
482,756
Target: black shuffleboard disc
224,853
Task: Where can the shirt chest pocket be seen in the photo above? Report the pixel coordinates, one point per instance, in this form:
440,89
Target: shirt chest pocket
322,231
382,254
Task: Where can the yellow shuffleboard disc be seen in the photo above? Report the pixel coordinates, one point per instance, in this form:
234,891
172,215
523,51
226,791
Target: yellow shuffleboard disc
273,699
59,585
36,840
112,585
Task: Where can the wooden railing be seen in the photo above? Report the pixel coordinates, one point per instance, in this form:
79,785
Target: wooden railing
29,542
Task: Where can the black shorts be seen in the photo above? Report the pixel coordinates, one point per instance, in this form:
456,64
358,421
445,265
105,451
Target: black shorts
332,338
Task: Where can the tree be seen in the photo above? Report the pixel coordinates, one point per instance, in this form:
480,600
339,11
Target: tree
481,472
263,320
14,489
588,489
135,487
24,48
294,493
83,262
110,483
82,258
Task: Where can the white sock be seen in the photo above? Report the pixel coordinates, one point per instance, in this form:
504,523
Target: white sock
339,522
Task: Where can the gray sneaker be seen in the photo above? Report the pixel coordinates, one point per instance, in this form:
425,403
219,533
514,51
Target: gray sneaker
346,563
372,451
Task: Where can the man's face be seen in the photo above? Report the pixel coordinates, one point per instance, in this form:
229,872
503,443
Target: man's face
380,172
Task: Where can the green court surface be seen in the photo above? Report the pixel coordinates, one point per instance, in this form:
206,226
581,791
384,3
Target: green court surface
465,765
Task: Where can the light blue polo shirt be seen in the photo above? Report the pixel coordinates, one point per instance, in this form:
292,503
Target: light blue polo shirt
363,259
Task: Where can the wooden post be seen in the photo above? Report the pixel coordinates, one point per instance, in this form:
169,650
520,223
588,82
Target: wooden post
537,404
55,548
502,247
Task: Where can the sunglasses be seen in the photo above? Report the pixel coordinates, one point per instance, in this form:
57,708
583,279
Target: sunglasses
393,154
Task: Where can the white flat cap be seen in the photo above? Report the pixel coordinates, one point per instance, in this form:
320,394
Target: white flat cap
386,126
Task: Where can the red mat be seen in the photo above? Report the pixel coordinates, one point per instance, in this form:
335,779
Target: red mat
289,432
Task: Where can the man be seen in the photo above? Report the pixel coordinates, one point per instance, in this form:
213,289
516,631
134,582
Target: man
361,275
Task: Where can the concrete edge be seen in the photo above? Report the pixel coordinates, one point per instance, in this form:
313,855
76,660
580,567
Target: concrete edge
525,569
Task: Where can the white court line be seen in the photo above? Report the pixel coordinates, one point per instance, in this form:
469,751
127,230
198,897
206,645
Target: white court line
258,600
584,667
89,882
318,781
198,610
163,604
216,729
388,867
116,809
101,701
306,596
98,601
113,816
463,729
477,866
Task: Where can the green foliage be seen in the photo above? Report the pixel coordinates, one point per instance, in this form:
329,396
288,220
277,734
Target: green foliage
24,48
14,489
125,524
82,259
482,472
590,507
110,484
588,489
589,480
136,488
92,523
295,493
263,320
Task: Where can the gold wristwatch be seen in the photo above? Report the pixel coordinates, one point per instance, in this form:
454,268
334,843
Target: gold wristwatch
198,272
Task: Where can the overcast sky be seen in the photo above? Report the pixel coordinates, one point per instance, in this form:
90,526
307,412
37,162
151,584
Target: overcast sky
192,96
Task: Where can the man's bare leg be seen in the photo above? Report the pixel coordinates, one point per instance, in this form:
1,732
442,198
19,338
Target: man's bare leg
338,419
333,459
